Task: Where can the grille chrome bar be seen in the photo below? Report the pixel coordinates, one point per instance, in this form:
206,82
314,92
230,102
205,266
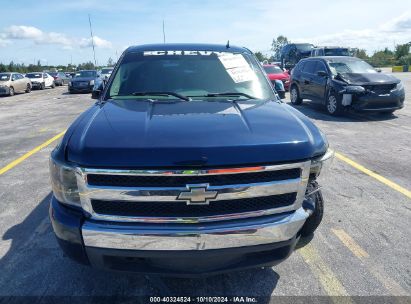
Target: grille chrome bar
170,194
155,194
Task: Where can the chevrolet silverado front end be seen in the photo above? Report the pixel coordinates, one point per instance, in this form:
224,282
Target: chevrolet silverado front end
187,165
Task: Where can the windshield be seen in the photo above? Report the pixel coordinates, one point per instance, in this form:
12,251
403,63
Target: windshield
106,71
53,73
34,75
86,74
273,69
344,66
4,77
190,73
336,52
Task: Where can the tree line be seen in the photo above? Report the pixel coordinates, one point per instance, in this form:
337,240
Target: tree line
23,68
399,56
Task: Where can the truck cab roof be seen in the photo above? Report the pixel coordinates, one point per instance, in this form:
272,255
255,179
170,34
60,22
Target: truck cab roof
187,47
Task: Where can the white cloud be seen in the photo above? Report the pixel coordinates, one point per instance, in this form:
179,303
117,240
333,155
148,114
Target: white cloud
98,42
23,32
395,31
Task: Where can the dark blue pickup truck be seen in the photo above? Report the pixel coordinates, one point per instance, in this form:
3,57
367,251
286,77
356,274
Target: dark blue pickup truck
188,164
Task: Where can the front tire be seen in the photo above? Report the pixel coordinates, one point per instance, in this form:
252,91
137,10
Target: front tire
53,85
295,96
312,223
42,86
333,104
11,91
28,89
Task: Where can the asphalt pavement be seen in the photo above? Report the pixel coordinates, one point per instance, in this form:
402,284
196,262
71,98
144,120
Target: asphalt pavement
362,248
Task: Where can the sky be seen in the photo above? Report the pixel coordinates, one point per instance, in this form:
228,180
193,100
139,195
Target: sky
57,32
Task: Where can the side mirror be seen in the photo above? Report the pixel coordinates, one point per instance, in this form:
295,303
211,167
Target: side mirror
322,73
95,94
379,70
279,88
97,90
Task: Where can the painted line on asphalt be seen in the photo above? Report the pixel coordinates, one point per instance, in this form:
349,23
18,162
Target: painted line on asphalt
328,280
377,271
30,153
349,242
378,177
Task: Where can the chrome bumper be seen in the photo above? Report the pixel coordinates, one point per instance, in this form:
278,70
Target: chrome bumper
214,235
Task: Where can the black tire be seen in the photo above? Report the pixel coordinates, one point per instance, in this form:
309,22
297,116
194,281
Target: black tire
312,223
333,104
11,91
295,95
42,86
53,85
28,89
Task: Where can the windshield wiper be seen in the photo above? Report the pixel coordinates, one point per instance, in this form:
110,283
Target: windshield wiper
161,94
226,94
230,94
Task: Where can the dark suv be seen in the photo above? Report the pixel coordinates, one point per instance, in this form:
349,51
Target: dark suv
342,82
294,52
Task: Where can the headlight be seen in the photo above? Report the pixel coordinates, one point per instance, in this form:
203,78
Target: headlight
352,89
399,86
64,183
322,163
91,82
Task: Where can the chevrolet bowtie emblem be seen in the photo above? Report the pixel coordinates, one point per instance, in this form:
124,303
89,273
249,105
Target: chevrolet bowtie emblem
197,195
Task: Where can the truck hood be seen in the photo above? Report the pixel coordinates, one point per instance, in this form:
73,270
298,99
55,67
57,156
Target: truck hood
369,78
137,134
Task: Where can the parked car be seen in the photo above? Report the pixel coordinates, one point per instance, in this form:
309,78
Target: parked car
40,80
330,51
60,78
11,83
234,170
342,82
274,72
82,82
292,53
105,73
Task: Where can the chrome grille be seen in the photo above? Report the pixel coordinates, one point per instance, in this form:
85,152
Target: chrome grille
154,195
182,181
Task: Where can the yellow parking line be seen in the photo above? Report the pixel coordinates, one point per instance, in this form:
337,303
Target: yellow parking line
378,177
30,153
376,270
349,242
330,283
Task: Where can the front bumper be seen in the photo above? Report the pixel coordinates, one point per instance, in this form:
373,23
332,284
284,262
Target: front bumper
178,249
4,90
375,102
81,89
36,85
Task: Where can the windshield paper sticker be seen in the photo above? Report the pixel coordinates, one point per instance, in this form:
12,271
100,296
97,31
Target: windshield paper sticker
237,67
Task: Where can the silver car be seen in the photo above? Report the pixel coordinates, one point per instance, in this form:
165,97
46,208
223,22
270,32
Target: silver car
11,83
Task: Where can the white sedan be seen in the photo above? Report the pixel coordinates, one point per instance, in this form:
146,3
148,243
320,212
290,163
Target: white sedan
40,80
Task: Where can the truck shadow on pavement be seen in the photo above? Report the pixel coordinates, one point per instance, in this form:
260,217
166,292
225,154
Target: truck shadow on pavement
317,111
34,265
